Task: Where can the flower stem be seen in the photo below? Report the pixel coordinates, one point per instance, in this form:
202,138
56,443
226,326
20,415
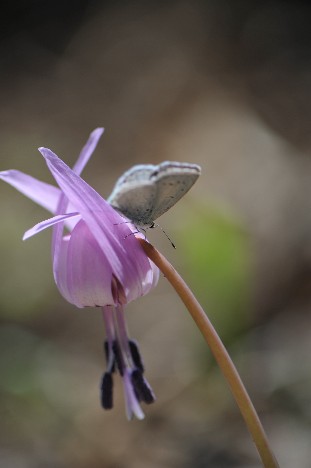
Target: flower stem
220,353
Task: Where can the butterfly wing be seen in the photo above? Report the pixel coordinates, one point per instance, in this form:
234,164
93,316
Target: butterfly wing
173,181
146,191
134,194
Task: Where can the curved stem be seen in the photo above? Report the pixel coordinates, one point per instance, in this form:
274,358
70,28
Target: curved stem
220,353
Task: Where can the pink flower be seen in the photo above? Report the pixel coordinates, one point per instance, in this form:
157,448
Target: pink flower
97,263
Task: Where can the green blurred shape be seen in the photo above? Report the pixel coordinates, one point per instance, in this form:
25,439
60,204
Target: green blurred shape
18,348
216,258
26,278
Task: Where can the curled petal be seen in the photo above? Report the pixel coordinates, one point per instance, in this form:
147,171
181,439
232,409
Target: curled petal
48,223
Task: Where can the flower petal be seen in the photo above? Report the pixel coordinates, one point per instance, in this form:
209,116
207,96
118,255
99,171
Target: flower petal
129,263
64,205
89,274
48,223
87,150
45,195
61,279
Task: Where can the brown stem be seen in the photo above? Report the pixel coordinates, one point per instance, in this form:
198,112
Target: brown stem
220,353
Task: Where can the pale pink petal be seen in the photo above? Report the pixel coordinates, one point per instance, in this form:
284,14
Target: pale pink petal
61,279
89,274
87,150
64,204
45,195
48,223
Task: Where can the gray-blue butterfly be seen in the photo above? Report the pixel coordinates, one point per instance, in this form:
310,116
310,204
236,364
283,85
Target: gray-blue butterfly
145,192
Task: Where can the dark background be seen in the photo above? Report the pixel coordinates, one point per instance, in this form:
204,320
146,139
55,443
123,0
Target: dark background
219,83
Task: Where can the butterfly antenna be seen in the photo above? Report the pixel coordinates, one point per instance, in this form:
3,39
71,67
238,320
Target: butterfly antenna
158,225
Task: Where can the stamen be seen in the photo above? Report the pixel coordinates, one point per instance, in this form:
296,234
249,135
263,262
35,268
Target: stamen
131,401
141,387
110,360
122,354
106,391
118,357
136,355
106,350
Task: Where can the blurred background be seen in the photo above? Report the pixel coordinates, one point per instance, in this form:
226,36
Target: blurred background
219,83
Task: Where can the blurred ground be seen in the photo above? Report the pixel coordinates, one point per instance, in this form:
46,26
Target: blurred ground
218,83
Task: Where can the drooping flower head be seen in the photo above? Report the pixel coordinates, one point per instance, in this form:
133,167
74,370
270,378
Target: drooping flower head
96,263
